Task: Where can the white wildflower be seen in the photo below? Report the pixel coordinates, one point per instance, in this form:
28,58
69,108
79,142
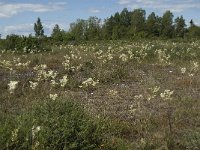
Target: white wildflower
183,70
156,89
190,74
64,81
14,134
33,85
109,48
110,56
35,130
12,86
153,93
40,67
138,97
113,92
195,66
167,95
124,57
53,96
53,83
89,81
132,109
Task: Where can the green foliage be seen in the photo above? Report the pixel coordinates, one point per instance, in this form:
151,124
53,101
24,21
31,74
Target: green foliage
190,140
138,21
167,24
180,25
153,25
93,30
124,69
86,29
13,42
26,44
132,25
194,32
78,29
108,28
52,125
58,36
121,25
125,23
38,28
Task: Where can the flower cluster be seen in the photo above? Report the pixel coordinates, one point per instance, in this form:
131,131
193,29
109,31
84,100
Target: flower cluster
53,96
163,57
63,81
33,85
153,92
183,70
166,95
123,57
12,86
113,92
89,82
35,130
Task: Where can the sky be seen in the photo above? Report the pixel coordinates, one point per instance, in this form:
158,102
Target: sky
19,16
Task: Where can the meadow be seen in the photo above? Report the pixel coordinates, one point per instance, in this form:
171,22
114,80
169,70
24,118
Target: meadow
139,94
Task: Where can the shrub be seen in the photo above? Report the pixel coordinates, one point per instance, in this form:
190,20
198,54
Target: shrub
52,125
26,44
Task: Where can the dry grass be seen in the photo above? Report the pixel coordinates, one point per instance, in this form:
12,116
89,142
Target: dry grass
155,121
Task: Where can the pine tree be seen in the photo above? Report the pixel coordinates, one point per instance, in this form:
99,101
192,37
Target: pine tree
192,23
38,28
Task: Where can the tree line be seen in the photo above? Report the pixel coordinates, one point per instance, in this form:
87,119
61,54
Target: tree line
133,24
121,25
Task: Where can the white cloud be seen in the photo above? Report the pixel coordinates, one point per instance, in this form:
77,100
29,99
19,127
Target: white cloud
163,5
10,9
122,2
22,29
93,10
26,29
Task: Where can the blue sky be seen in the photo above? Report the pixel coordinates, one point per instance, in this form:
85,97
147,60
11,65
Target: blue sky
18,16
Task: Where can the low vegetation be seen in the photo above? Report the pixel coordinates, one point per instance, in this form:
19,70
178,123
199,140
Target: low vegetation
138,94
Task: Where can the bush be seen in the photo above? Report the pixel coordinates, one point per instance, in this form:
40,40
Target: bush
52,125
26,44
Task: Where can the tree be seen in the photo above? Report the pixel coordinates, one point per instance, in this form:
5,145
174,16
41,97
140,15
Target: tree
153,25
108,28
194,30
116,33
93,29
57,34
38,28
78,29
13,42
125,23
192,23
116,27
138,21
167,24
180,27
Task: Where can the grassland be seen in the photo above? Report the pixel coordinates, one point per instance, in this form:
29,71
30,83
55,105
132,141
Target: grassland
117,95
